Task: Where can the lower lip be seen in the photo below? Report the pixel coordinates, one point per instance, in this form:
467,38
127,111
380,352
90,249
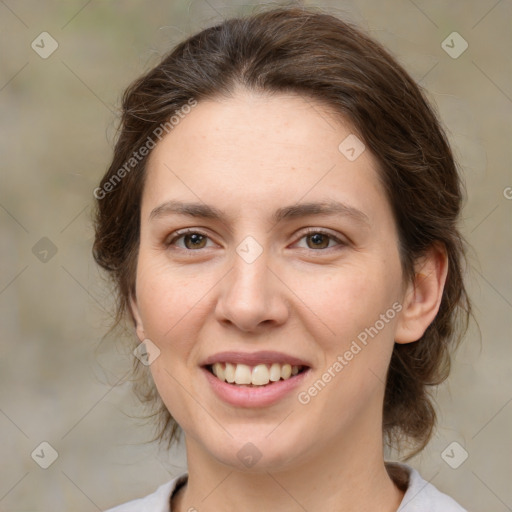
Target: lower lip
254,396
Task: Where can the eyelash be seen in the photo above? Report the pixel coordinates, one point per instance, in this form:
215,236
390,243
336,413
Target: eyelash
310,231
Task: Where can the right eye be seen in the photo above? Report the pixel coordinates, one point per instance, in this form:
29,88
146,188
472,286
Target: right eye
191,240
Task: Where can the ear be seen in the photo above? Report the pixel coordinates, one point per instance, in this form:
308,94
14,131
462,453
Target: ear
139,327
423,295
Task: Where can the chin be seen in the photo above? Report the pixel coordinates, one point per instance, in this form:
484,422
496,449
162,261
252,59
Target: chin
256,451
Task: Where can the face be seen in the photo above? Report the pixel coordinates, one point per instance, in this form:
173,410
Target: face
264,250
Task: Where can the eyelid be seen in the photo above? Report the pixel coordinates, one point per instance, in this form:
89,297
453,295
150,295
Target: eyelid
322,231
175,235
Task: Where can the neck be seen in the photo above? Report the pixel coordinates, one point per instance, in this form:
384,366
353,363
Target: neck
348,477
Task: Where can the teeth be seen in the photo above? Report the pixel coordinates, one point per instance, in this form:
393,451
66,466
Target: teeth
286,371
243,374
218,371
275,372
229,373
259,375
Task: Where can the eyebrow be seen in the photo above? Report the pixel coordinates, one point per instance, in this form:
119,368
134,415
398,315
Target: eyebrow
205,211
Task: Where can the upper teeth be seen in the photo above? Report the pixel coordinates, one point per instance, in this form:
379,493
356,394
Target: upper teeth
258,375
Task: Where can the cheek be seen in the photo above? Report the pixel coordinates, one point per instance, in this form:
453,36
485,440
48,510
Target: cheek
171,308
167,298
345,301
354,328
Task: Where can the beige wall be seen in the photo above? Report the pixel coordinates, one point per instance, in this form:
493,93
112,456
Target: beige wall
57,120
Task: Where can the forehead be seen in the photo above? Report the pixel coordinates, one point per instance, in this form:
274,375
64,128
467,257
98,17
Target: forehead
254,150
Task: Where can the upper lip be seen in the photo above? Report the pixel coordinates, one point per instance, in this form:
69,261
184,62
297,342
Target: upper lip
254,358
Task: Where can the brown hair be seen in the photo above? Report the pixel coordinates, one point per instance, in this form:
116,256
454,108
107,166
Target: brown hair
319,56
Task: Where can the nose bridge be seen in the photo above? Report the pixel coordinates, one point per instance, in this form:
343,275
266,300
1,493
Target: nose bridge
249,276
250,295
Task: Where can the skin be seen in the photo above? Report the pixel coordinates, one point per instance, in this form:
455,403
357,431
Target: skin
248,156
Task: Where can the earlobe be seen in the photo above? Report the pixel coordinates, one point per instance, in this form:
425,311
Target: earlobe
423,296
139,327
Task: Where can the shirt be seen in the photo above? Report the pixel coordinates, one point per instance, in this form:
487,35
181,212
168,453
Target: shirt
420,496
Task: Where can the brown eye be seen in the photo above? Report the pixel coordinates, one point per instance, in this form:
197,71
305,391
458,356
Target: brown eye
318,241
194,241
189,240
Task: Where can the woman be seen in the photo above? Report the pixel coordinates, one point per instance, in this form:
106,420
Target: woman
279,218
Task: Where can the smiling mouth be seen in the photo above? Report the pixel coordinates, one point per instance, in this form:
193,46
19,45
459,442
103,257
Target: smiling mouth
257,376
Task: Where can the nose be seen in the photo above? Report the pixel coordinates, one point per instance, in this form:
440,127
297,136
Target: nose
252,297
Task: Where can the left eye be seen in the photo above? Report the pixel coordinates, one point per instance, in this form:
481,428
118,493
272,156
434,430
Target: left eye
320,240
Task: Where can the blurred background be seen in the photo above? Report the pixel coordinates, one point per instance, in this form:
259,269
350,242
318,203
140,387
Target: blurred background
63,68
